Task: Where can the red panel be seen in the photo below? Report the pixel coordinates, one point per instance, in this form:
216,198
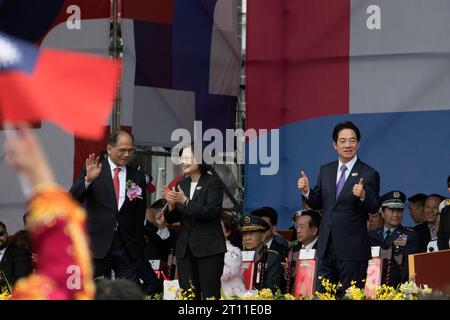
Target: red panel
84,147
297,60
160,11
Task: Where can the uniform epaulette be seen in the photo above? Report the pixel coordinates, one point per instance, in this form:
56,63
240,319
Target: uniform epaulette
447,202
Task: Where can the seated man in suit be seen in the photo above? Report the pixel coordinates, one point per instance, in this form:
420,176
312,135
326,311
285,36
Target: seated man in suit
15,262
307,226
374,221
404,241
271,239
416,205
427,230
158,238
253,233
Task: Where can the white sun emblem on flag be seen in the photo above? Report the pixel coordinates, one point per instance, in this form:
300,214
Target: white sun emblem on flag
9,54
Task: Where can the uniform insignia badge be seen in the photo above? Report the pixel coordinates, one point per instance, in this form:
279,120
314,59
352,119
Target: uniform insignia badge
396,194
247,219
354,174
401,240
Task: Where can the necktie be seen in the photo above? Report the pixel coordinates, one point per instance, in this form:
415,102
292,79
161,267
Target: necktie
116,183
341,181
386,235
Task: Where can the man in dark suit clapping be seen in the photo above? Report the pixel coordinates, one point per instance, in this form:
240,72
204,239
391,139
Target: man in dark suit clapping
115,200
347,190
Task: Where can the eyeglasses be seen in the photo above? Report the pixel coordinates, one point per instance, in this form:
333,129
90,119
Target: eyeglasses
185,159
124,150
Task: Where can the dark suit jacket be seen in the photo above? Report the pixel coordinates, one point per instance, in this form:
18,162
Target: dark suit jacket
101,206
201,228
155,247
274,271
424,235
399,273
278,247
16,263
345,218
444,229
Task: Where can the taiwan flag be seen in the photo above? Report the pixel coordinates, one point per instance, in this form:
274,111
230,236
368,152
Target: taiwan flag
383,64
73,90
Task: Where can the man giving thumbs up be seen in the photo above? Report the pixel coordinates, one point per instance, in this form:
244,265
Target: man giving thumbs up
346,190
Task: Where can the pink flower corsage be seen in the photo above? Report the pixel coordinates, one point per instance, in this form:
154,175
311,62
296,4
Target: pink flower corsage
133,191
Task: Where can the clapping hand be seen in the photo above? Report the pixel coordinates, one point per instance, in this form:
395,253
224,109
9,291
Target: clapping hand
176,196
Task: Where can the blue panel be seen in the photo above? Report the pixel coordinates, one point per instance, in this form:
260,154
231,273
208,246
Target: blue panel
409,150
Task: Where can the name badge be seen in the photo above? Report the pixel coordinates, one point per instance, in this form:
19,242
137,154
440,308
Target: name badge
248,256
375,252
307,254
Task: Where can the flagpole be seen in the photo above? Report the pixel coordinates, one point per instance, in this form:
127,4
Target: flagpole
115,52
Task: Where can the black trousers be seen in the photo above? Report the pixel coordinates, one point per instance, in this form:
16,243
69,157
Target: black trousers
203,273
119,260
340,271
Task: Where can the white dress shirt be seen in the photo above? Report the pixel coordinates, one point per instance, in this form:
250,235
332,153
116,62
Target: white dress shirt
2,252
122,182
269,243
191,192
311,245
163,233
349,166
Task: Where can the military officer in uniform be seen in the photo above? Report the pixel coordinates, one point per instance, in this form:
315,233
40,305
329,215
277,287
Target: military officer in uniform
403,241
253,232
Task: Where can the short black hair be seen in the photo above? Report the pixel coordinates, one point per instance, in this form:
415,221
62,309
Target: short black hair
346,125
315,218
204,168
119,289
436,196
158,204
418,198
113,137
267,212
3,225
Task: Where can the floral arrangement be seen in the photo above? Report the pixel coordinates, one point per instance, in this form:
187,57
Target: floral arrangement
5,295
133,191
5,287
